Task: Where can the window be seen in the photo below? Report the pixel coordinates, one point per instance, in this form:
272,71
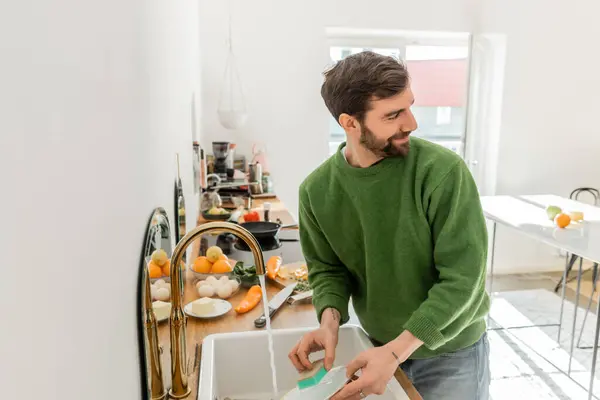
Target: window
444,115
438,66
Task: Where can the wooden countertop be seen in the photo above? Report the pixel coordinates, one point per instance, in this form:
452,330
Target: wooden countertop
296,316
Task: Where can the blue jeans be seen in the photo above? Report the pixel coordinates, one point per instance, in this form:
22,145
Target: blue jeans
462,375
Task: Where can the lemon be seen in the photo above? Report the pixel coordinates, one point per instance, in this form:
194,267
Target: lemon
160,257
213,253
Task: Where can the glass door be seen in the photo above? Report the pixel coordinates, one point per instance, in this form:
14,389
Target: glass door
488,56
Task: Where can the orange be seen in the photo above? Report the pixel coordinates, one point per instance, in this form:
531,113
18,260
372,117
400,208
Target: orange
154,270
562,220
221,267
166,268
223,257
202,265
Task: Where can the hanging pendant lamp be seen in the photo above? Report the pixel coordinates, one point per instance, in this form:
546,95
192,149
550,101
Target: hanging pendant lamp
232,106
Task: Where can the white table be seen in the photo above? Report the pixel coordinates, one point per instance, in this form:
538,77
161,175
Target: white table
527,214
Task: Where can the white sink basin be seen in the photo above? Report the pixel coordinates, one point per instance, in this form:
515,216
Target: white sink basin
237,365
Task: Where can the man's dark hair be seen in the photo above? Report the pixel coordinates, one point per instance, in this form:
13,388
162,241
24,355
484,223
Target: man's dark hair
353,82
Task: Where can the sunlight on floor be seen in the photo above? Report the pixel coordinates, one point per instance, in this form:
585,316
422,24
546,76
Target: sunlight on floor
527,363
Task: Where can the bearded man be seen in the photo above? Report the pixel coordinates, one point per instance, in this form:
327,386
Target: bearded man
394,223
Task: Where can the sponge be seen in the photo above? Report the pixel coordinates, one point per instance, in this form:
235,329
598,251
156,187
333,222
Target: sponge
313,376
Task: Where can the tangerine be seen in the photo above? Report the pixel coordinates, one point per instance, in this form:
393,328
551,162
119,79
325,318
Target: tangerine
562,220
154,270
221,267
166,268
202,265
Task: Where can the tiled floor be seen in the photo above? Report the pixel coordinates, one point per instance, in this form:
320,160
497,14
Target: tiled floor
528,363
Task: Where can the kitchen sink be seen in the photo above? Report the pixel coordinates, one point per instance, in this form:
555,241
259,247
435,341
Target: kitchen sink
237,365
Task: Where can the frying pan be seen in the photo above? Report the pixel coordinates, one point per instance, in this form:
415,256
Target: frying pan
262,229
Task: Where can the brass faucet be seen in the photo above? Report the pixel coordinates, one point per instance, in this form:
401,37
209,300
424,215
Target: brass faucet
157,385
179,374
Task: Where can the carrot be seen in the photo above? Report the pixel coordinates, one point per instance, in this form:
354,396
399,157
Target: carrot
273,266
250,301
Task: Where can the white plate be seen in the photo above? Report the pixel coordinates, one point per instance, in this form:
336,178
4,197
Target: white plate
222,307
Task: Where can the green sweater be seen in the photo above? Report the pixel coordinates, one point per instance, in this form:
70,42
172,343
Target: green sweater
406,239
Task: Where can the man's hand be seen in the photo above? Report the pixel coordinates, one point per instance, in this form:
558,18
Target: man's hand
324,338
377,366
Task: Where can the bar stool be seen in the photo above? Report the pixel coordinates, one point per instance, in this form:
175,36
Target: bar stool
575,196
596,195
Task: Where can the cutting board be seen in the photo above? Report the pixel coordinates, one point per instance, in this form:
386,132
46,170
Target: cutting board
291,267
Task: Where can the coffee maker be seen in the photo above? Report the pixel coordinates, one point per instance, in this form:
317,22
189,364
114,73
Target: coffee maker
222,154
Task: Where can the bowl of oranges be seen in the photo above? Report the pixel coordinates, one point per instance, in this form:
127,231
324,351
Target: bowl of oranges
159,266
214,263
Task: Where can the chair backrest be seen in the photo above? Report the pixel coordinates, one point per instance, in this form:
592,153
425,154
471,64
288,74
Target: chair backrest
588,191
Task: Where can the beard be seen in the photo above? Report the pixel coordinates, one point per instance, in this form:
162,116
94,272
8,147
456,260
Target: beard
384,148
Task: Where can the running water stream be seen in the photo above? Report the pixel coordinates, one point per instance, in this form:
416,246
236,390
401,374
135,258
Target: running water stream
263,286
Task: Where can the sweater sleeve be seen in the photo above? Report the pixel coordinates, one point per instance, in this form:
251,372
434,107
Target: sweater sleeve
459,235
327,276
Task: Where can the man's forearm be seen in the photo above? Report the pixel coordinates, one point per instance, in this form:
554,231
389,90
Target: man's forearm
331,318
404,345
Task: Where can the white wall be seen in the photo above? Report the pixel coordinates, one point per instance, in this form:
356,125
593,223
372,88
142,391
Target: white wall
548,139
95,99
282,51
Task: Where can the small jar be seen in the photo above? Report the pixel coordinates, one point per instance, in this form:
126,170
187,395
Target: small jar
267,183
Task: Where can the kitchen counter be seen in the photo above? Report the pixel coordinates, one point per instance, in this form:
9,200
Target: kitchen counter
290,316
278,211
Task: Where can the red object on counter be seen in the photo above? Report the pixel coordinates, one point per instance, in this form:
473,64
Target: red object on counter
252,216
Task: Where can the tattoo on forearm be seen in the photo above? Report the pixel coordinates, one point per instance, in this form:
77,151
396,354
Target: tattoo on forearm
335,314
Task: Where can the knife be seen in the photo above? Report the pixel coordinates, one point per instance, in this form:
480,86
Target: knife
275,303
301,297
